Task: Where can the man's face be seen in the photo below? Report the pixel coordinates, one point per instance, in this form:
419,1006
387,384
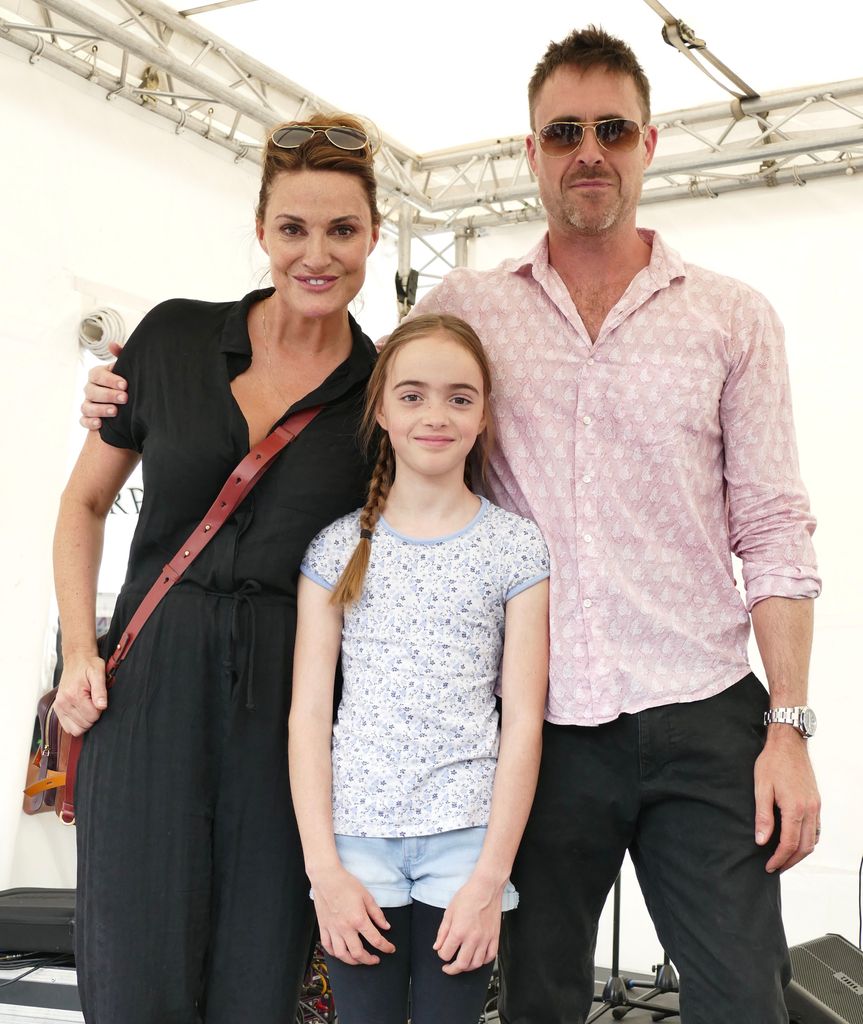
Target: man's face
592,190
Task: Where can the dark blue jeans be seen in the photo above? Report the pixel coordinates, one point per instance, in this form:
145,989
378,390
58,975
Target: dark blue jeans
673,785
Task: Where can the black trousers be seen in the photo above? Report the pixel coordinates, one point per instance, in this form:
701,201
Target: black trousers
674,786
193,905
378,993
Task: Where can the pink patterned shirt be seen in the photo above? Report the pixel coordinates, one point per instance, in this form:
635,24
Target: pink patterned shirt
645,459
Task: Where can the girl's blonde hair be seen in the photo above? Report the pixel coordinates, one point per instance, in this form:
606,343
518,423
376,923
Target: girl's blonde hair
350,584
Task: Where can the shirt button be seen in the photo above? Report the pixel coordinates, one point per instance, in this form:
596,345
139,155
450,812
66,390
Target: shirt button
587,478
590,362
587,420
588,538
586,603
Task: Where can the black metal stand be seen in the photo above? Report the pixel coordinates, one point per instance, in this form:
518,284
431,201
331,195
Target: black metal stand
615,994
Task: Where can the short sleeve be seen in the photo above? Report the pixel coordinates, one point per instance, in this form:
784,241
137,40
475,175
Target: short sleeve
527,560
328,554
128,429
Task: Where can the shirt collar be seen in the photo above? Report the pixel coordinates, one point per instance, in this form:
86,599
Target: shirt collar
235,339
236,344
665,263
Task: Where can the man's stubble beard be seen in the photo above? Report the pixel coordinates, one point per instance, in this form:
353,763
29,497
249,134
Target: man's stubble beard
588,222
590,225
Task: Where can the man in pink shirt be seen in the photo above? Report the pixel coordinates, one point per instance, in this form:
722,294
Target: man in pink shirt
645,423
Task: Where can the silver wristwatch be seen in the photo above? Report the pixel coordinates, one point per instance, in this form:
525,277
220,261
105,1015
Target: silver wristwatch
802,718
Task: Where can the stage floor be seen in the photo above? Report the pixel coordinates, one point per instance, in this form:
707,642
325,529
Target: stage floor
49,995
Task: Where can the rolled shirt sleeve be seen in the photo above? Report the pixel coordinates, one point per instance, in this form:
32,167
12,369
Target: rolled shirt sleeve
769,523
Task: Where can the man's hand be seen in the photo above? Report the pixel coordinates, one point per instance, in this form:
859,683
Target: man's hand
470,927
784,778
82,695
346,910
103,392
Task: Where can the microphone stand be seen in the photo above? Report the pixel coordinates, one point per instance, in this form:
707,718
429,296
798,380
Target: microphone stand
615,993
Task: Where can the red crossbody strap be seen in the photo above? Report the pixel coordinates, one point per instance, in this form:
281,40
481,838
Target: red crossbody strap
236,487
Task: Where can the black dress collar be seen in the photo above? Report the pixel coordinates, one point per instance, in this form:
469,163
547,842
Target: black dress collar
355,370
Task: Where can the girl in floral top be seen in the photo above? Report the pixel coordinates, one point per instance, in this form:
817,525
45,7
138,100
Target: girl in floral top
433,601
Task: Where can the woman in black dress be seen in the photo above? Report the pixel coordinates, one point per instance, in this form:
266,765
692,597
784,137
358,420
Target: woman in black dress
193,904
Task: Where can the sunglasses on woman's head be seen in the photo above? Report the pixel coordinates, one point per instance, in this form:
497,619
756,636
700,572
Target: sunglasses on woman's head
614,134
294,135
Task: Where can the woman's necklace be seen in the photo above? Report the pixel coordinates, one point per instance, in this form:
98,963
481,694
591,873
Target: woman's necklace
273,381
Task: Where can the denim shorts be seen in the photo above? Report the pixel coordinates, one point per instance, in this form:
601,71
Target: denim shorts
430,869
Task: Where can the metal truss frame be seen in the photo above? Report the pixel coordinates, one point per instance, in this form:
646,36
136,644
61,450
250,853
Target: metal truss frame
149,54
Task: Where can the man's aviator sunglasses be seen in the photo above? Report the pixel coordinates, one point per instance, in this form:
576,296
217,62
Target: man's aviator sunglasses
294,135
615,134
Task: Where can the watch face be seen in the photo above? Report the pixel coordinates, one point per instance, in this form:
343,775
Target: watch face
808,721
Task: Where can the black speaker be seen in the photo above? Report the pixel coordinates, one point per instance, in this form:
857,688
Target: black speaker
827,983
41,920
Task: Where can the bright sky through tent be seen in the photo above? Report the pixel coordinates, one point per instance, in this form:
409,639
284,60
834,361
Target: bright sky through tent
447,73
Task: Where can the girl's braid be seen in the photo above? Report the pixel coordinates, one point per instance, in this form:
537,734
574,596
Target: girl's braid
350,584
379,487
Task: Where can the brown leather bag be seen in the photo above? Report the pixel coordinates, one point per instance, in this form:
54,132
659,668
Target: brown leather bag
53,767
46,771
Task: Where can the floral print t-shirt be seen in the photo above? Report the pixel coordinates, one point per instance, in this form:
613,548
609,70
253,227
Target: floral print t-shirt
416,739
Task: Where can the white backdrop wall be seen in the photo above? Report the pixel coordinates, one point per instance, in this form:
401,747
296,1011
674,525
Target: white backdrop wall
102,206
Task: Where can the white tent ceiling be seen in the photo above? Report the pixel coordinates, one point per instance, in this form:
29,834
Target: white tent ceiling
452,72
454,80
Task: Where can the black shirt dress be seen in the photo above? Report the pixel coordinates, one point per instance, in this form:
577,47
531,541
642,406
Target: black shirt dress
193,903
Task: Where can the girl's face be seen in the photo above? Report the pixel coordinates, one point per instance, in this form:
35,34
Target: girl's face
317,230
433,406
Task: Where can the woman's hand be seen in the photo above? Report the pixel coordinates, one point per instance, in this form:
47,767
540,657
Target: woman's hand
347,910
470,927
103,392
82,695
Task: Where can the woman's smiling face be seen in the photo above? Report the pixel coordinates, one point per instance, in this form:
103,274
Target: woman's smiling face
317,231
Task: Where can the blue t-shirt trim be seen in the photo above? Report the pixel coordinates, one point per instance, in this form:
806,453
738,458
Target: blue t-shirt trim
526,585
481,511
313,576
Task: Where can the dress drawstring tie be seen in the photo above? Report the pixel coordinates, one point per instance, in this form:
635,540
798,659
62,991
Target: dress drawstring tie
243,602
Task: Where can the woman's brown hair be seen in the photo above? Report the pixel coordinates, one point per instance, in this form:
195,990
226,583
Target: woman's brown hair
350,584
319,154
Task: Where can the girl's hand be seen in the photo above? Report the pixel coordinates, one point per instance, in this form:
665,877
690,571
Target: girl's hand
347,910
82,695
470,927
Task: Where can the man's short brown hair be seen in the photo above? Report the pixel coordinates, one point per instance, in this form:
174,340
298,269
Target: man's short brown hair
588,48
